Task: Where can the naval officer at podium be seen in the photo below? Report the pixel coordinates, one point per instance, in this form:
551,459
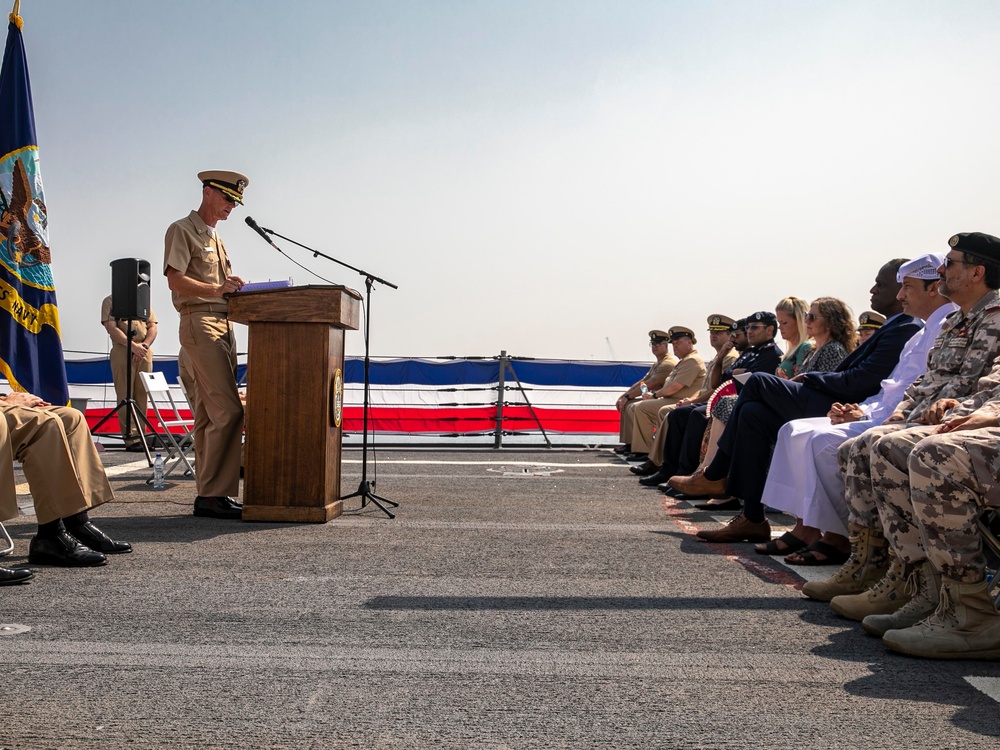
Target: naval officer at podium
199,273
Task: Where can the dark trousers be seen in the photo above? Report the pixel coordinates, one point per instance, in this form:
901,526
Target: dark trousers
682,448
766,402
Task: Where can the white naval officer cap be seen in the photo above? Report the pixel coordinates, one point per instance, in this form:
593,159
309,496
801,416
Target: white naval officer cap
925,267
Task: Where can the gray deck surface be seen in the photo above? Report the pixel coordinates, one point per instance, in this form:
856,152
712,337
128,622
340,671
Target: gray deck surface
569,610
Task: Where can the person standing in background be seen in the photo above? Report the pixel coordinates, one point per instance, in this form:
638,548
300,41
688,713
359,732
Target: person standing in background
139,347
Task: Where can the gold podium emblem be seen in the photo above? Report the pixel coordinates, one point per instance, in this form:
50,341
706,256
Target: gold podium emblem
338,397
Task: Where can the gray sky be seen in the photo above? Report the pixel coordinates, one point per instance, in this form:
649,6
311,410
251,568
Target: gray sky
535,176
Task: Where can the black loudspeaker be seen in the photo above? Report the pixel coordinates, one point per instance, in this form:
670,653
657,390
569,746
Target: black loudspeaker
130,288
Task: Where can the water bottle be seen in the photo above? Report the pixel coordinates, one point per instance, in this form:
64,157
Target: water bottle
643,388
158,472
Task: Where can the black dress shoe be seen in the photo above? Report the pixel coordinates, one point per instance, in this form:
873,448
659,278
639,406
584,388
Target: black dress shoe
636,456
730,504
217,507
64,550
136,447
10,577
654,480
666,489
623,450
96,539
644,469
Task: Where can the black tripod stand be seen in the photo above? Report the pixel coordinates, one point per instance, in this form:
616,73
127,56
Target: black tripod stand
366,488
128,403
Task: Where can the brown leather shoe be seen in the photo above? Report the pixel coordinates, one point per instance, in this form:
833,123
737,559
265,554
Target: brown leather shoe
740,529
696,485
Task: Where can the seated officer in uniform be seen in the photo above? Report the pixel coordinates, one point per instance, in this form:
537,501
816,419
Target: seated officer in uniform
662,367
868,322
683,382
66,478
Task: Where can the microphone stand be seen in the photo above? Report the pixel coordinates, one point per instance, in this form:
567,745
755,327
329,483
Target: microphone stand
129,404
365,488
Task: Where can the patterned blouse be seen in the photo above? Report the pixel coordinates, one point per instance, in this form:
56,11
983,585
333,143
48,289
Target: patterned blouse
825,359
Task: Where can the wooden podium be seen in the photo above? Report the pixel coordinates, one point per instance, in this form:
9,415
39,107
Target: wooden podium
294,399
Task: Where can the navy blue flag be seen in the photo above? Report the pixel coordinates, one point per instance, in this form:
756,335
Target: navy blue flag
31,353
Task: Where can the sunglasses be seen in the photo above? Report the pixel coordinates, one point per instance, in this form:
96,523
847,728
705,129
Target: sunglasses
949,262
755,326
227,196
811,318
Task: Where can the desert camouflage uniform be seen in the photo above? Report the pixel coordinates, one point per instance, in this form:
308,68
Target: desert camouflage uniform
952,477
891,457
959,364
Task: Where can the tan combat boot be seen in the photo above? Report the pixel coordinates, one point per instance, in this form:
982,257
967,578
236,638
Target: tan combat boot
884,598
965,625
866,565
923,585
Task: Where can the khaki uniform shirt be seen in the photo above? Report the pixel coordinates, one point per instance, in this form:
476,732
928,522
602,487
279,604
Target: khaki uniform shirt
139,326
706,388
661,370
690,371
199,254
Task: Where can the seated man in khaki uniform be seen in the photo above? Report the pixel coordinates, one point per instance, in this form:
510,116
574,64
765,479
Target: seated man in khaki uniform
659,343
66,478
719,327
142,361
684,381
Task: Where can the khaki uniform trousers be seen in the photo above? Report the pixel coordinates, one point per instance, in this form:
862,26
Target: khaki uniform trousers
208,340
186,375
952,478
60,462
625,423
119,355
645,416
660,439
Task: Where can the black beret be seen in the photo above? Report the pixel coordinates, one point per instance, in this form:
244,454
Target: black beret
765,317
738,325
976,243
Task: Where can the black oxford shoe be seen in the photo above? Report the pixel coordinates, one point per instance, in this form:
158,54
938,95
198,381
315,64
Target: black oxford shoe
64,550
96,539
654,480
217,507
730,504
646,468
10,577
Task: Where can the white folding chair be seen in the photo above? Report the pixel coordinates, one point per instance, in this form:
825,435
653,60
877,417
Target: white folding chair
10,542
177,445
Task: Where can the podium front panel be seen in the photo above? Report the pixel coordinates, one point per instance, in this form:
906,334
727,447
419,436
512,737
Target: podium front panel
293,446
